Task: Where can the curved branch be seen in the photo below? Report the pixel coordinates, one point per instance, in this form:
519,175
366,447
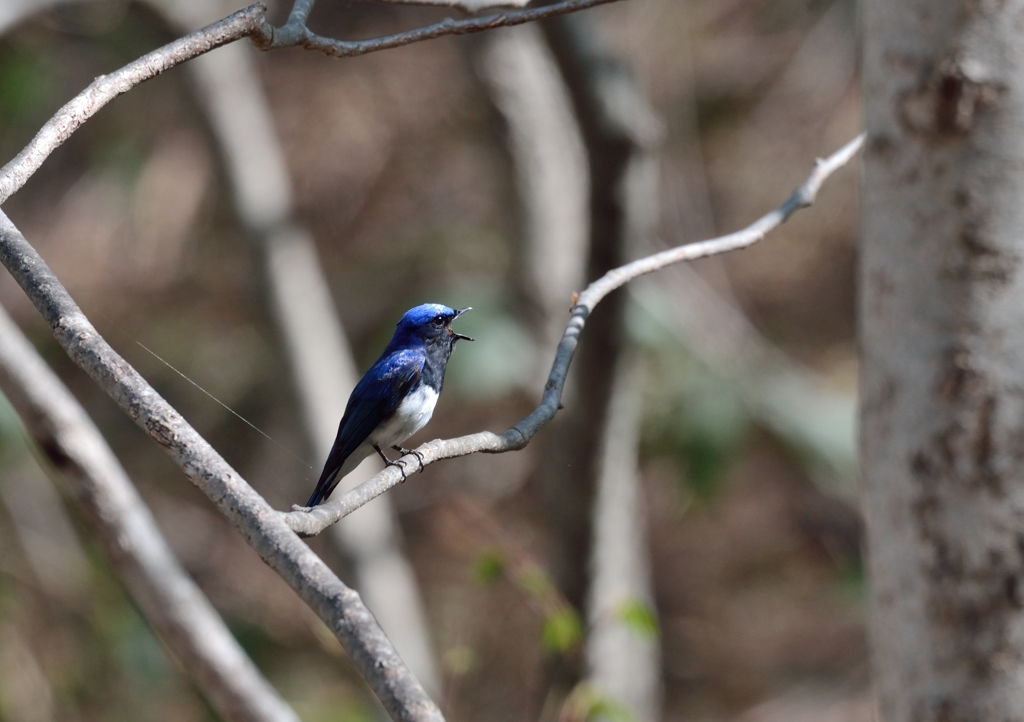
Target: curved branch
169,599
340,608
313,521
295,33
105,88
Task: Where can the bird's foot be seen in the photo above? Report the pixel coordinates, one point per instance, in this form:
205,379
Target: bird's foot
400,465
405,452
389,462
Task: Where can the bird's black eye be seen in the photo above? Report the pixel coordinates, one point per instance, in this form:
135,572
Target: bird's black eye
439,321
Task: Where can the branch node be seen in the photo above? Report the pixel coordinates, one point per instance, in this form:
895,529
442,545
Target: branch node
264,36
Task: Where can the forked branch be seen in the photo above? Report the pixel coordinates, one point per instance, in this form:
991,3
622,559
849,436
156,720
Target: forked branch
248,22
313,521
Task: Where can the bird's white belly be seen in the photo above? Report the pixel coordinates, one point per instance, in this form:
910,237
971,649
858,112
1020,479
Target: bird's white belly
411,415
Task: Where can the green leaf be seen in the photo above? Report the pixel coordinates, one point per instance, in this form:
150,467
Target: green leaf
535,581
26,81
459,660
586,703
640,618
489,567
562,630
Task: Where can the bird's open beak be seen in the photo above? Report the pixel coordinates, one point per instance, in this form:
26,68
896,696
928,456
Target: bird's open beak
458,313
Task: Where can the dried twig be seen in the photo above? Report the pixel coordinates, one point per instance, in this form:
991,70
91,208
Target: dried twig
168,598
248,22
313,521
295,32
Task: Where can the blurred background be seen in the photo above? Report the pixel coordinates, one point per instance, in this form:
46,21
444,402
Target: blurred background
707,444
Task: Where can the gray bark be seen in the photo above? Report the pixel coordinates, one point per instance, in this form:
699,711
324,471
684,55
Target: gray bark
942,314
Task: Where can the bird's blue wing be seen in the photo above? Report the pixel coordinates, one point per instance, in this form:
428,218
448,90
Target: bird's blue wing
373,400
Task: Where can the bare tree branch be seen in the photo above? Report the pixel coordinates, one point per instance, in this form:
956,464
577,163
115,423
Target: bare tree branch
313,521
25,692
340,608
170,600
623,662
107,87
552,176
245,23
295,33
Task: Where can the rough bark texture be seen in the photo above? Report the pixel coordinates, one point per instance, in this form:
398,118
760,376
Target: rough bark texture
942,314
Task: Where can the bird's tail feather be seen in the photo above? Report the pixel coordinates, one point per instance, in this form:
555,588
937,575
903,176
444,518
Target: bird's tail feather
323,490
330,479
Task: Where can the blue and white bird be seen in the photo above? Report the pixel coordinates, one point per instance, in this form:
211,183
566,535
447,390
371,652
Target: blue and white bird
396,397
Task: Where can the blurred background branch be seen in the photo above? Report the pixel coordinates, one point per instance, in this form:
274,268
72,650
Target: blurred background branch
101,91
171,602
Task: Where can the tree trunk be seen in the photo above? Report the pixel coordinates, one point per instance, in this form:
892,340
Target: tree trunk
942,338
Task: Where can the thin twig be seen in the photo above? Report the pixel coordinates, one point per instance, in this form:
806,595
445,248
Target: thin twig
340,608
300,12
170,601
248,22
295,33
313,521
107,87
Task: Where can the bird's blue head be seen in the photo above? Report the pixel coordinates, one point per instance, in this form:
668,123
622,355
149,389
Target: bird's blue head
430,324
